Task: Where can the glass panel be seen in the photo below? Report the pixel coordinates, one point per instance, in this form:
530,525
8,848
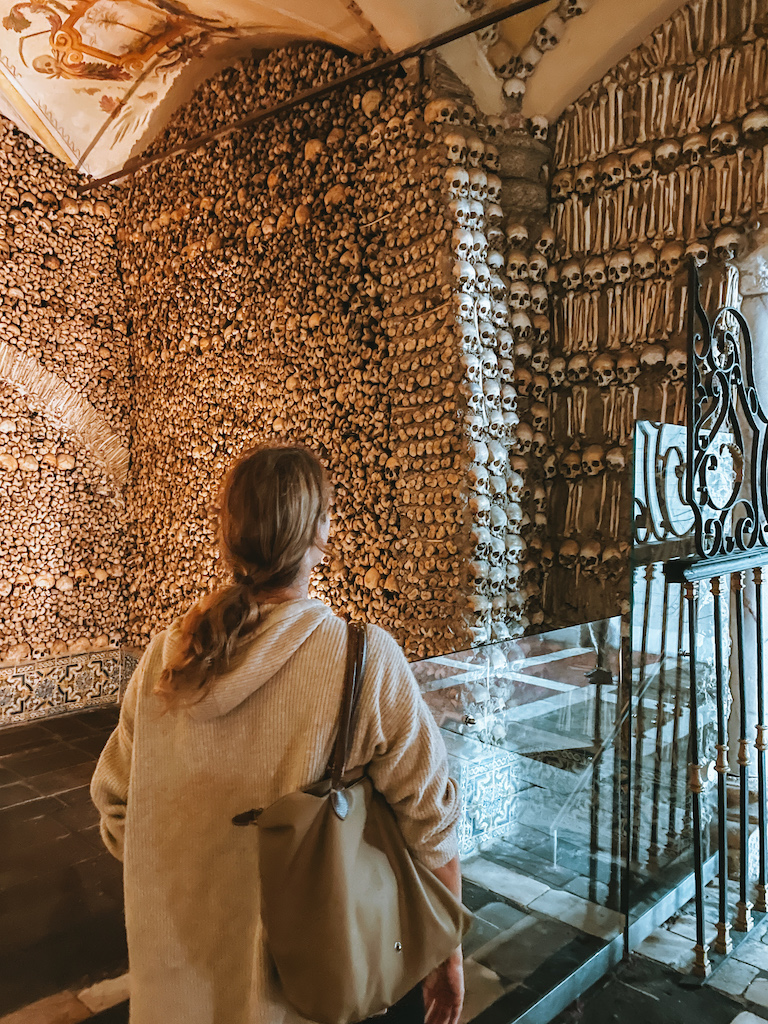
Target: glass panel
531,731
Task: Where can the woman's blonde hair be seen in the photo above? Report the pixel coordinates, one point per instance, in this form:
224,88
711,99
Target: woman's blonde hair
273,500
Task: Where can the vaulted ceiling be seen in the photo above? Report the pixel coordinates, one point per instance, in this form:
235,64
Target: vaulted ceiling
94,80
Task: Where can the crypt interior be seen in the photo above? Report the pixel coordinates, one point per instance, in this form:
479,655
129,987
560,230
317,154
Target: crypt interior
479,279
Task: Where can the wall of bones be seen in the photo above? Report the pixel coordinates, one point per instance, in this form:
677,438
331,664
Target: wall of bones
64,398
667,156
337,276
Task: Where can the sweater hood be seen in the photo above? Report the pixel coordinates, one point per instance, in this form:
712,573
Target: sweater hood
282,630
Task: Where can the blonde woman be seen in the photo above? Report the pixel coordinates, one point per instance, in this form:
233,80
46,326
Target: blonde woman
234,706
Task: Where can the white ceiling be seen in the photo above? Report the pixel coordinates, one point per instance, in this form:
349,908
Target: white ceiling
94,80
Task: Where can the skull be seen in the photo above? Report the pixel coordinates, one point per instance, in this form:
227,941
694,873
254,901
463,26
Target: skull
497,459
441,111
460,211
540,361
507,370
471,365
523,381
461,240
589,556
620,267
508,398
478,184
539,445
482,277
517,235
578,368
755,126
475,400
612,563
497,286
569,554
506,344
549,33
652,357
670,258
677,363
615,460
517,265
640,163
479,452
465,274
603,370
570,275
479,245
495,260
593,460
457,182
489,363
456,147
728,245
514,88
523,350
550,466
724,139
644,262
546,243
572,8
498,521
475,151
540,387
486,332
557,372
586,179
519,295
492,393
528,62
371,101
492,185
476,213
495,237
539,299
521,327
562,185
470,340
477,478
524,439
694,147
540,128
699,252
481,542
465,306
594,273
504,59
570,465
488,36
667,155
612,171
537,267
627,367
541,329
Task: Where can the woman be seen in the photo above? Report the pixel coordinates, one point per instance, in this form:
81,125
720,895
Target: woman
234,706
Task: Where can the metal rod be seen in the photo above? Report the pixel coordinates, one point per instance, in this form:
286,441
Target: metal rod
373,68
760,746
701,967
723,942
637,816
743,922
594,809
625,690
653,848
674,767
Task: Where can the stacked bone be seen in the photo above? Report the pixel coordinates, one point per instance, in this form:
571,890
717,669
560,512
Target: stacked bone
63,408
664,158
297,281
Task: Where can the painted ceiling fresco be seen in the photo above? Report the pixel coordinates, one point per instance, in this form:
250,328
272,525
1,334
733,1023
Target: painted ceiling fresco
90,78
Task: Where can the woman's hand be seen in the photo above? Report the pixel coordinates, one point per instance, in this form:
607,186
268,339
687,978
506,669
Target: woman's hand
444,991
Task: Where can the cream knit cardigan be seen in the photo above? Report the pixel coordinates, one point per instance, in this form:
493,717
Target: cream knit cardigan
168,785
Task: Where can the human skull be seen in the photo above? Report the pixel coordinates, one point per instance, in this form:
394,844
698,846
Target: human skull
498,462
465,306
546,243
612,563
557,371
476,213
523,350
495,260
521,327
699,252
514,88
495,237
488,36
488,362
504,59
479,245
441,111
506,344
569,554
540,361
755,126
477,478
728,245
667,155
537,267
539,299
461,240
498,520
540,128
570,465
615,460
460,211
612,171
483,306
677,363
506,370
517,235
475,151
670,258
724,139
492,393
541,329
475,400
519,295
578,369
478,452
524,439
539,414
652,357
371,101
508,398
640,163
465,274
493,187
627,367
539,445
478,184
589,556
594,273
481,542
620,267
486,332
470,339
523,381
561,186
528,62
572,8
456,148
517,265
482,277
586,179
644,262
540,387
549,468
603,370
593,460
472,368
457,182
497,286
694,147
570,275
549,33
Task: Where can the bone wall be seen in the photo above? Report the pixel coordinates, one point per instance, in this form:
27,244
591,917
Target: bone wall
328,277
64,393
667,156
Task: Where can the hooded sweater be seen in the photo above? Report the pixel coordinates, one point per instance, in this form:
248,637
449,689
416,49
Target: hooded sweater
169,783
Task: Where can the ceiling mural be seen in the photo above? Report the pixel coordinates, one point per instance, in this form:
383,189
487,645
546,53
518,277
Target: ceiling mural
87,77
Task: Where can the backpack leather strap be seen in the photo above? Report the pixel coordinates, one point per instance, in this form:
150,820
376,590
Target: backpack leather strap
350,703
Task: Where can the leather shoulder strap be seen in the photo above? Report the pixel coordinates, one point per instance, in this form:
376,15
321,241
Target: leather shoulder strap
350,702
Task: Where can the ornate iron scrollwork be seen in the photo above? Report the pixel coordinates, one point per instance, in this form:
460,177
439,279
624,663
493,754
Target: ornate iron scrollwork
661,512
726,485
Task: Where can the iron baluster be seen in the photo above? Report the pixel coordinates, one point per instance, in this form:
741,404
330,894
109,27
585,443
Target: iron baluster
744,921
637,817
653,848
723,943
674,767
760,744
